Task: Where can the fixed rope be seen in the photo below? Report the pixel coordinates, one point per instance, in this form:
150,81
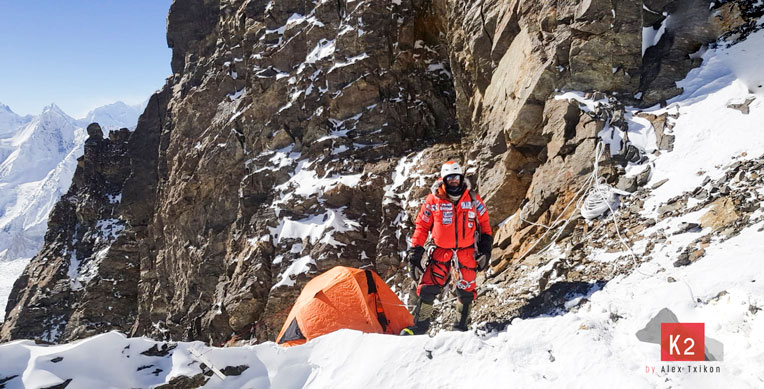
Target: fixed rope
598,198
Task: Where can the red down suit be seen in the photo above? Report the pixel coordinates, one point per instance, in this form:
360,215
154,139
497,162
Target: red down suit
453,226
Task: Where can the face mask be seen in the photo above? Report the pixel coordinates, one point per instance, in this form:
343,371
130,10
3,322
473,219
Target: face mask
454,186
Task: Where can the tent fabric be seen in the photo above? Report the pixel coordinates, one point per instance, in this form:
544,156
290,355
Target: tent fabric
344,297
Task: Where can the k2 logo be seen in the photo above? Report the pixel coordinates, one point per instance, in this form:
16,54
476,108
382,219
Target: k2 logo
682,341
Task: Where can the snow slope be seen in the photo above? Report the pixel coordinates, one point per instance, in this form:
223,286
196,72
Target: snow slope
587,348
592,344
37,162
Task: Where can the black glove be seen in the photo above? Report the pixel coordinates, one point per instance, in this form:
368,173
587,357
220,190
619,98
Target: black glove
414,257
484,251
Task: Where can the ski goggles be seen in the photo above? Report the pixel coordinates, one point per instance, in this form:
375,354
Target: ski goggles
453,178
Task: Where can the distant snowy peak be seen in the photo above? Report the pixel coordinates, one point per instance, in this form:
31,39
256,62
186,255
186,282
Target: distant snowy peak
114,116
37,147
52,126
53,109
111,117
52,114
10,121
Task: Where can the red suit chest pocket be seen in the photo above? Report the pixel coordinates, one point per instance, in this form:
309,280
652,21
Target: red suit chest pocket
445,213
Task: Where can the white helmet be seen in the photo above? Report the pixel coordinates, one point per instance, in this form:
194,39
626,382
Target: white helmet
450,168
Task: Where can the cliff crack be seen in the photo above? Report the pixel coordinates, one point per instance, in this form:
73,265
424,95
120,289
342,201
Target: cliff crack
340,10
482,18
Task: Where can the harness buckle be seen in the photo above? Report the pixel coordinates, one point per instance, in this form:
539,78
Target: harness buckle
463,284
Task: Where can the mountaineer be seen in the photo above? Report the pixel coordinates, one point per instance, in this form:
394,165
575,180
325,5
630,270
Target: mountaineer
462,239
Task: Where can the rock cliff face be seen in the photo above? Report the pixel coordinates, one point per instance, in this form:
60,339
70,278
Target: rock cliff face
298,135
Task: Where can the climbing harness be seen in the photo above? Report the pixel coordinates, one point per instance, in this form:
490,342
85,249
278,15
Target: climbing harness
456,267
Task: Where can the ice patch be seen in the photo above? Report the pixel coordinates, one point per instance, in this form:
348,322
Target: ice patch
109,229
348,61
298,266
403,170
323,49
237,94
439,68
305,182
587,105
281,158
651,36
339,150
316,228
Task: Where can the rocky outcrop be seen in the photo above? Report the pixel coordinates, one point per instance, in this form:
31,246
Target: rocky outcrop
294,136
79,285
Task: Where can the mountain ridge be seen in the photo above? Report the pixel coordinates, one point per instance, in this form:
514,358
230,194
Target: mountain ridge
276,140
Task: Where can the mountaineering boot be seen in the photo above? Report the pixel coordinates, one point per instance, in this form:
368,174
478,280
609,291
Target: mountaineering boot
462,315
464,301
422,316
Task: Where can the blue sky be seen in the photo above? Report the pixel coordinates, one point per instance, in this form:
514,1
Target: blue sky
81,54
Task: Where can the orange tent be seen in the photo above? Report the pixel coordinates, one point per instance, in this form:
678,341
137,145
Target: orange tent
344,297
